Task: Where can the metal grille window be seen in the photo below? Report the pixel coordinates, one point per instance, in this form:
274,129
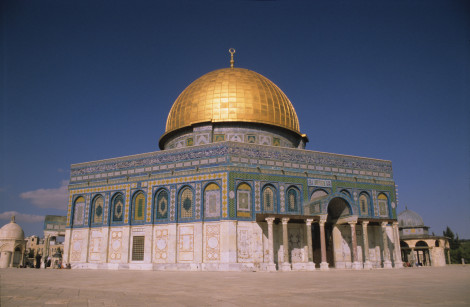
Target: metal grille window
138,248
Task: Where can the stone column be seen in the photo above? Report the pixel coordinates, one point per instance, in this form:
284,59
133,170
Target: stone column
448,256
323,264
356,264
386,252
45,253
271,265
413,259
365,237
396,244
310,264
285,245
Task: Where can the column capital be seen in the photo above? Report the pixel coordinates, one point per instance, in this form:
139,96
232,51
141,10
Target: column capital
270,220
384,224
285,220
321,223
365,223
352,223
395,224
308,222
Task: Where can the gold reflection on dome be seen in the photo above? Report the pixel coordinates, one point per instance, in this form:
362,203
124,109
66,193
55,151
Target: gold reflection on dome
232,95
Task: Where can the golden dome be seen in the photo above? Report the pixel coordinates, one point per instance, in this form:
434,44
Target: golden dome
232,95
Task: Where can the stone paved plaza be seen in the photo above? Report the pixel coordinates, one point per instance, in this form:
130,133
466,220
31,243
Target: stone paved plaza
410,287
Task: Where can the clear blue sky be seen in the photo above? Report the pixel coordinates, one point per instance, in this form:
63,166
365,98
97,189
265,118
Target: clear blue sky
87,80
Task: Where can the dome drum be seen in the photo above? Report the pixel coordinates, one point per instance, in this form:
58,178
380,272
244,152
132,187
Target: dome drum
244,132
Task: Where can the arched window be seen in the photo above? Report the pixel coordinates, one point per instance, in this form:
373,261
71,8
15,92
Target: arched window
212,200
269,199
186,203
78,211
161,204
364,204
139,207
292,200
244,197
383,204
118,208
98,203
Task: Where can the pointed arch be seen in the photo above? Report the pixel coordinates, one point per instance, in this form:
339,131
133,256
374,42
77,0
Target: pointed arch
79,211
161,203
212,200
292,199
186,202
382,201
97,211
138,207
364,203
269,199
117,208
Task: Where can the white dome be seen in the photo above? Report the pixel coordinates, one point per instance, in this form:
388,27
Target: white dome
11,231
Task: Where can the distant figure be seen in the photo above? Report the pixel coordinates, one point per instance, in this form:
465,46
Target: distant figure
68,266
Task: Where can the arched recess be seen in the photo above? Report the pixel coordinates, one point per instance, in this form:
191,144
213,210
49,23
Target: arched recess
138,207
338,207
161,204
244,200
364,203
292,199
78,211
117,208
269,199
17,257
421,244
338,236
97,210
212,201
186,203
382,200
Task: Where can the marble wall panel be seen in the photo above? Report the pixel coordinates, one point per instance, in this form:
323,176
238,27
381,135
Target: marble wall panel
212,242
186,243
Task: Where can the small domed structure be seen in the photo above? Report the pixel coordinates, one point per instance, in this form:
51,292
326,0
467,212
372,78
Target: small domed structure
12,244
410,218
417,246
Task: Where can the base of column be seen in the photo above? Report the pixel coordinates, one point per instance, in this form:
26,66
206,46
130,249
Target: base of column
367,265
285,267
387,264
271,267
324,266
311,266
398,265
357,265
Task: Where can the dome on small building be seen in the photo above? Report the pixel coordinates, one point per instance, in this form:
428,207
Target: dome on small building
410,218
11,231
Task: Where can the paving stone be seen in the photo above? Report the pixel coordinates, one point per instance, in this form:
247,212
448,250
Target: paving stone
406,287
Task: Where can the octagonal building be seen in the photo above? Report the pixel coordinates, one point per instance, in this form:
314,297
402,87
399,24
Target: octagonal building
232,189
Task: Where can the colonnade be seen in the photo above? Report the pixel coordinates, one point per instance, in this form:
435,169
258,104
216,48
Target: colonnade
356,264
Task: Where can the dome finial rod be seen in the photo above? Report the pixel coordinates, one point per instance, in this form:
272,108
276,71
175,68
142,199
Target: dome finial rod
232,51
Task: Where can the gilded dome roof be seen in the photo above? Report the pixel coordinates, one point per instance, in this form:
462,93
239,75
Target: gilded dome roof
232,95
410,218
